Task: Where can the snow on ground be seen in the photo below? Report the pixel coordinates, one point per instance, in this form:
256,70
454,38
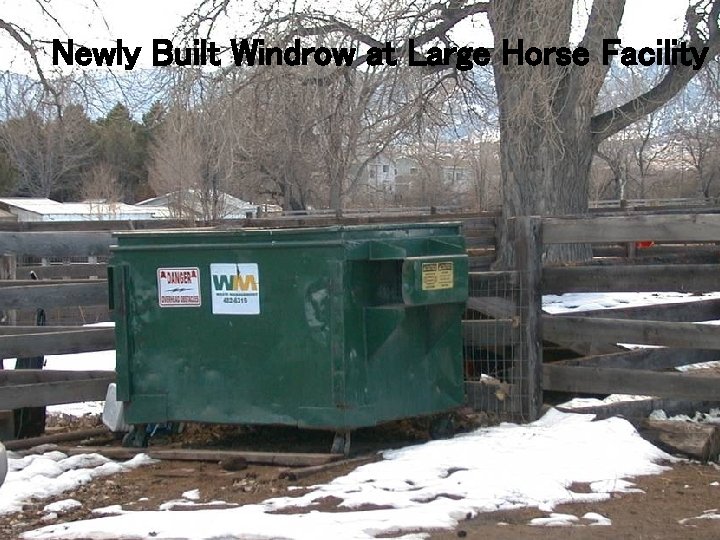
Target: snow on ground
592,301
707,514
429,486
421,487
571,302
47,475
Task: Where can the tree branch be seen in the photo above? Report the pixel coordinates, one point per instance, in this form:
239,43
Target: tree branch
608,123
26,44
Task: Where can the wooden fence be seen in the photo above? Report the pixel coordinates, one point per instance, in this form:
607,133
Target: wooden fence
582,346
59,285
603,367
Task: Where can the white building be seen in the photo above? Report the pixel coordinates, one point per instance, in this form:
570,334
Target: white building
46,210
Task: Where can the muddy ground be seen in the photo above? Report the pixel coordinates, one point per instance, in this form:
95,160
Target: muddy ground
684,492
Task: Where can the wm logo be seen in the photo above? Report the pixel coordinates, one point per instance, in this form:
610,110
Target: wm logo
238,282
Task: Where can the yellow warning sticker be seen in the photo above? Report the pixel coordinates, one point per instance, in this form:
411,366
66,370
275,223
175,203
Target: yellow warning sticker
437,276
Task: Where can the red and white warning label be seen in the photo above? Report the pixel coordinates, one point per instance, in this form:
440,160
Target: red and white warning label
178,287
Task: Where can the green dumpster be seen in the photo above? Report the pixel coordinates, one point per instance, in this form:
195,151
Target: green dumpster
330,328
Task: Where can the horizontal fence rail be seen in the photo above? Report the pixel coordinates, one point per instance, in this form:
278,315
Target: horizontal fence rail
58,294
80,340
663,228
629,381
53,388
628,278
56,243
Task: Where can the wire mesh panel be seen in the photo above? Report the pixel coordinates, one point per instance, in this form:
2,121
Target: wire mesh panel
497,376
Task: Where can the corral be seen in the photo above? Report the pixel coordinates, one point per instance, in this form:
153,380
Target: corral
517,356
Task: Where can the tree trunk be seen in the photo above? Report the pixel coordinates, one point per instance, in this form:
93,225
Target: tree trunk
546,142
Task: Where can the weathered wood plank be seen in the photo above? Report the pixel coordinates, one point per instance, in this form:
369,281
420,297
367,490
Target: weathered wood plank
304,472
56,244
72,271
648,359
479,242
23,444
493,306
704,251
185,454
59,294
630,381
39,283
481,263
598,330
53,393
632,278
528,263
666,228
65,342
17,330
31,376
637,410
697,441
693,311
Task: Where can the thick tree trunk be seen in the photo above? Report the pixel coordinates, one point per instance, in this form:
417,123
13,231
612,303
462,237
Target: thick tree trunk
545,175
546,141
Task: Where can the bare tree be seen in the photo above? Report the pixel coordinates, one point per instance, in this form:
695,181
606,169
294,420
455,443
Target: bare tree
699,129
549,122
192,154
101,183
48,152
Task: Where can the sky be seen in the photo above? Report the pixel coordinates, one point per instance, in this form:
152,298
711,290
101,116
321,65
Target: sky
137,22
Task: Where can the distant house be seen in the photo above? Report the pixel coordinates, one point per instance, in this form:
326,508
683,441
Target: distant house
379,174
192,204
47,210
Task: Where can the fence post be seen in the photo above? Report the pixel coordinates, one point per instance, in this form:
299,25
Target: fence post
8,270
528,262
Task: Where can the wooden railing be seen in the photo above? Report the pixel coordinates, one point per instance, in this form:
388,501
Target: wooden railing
604,367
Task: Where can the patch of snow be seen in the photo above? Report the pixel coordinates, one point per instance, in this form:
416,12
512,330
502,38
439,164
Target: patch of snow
615,485
497,468
713,416
707,514
555,520
63,506
112,510
53,473
599,519
702,365
192,495
570,302
178,503
578,403
77,410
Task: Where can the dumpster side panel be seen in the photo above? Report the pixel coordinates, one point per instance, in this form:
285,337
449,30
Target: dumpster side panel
237,368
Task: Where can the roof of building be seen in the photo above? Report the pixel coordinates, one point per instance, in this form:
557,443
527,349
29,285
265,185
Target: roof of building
48,207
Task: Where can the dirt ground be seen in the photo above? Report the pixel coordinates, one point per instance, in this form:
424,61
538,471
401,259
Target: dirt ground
684,492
